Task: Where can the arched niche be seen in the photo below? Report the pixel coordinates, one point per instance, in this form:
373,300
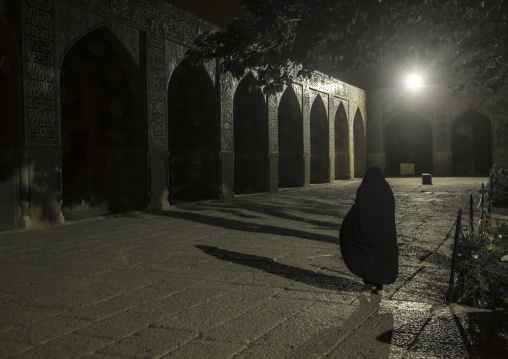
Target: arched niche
103,125
341,137
250,125
194,134
471,144
319,143
408,139
359,144
290,136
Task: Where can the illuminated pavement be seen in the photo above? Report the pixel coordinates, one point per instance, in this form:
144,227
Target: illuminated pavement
257,277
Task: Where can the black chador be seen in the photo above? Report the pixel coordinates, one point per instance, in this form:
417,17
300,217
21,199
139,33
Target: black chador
368,238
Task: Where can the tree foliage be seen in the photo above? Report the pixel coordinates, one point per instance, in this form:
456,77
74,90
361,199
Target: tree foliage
461,43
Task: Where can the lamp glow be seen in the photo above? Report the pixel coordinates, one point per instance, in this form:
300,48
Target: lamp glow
414,81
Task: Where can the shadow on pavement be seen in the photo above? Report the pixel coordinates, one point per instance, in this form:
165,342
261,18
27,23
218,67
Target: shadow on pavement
277,211
268,265
478,335
248,226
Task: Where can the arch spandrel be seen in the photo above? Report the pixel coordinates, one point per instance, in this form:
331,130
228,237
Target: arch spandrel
78,23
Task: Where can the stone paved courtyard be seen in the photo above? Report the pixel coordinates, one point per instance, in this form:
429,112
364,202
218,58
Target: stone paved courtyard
257,277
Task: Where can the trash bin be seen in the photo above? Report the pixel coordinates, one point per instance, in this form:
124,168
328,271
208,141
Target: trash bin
426,178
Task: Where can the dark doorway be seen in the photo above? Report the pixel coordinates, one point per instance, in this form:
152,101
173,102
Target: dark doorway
471,144
291,161
341,143
194,134
319,143
359,145
408,139
103,125
250,113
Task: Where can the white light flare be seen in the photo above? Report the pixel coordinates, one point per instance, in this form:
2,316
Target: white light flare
414,81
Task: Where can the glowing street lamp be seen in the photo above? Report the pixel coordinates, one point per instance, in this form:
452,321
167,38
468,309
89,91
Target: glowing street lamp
414,81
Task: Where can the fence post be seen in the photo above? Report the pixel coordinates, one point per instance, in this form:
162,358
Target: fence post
454,257
483,198
471,227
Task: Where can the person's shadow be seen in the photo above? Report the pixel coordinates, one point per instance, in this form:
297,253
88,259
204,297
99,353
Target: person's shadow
333,341
268,265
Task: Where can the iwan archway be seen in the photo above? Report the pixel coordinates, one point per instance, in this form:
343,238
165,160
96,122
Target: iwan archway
194,134
471,144
408,139
103,125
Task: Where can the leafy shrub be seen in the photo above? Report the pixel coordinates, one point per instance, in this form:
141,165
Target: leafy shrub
482,281
499,183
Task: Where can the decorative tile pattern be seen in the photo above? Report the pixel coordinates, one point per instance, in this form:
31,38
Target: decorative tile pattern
298,88
40,84
228,86
273,127
306,120
163,24
157,93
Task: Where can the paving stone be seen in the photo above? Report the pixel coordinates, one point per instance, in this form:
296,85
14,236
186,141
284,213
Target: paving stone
9,348
256,322
213,313
45,330
123,324
68,346
205,349
14,314
149,343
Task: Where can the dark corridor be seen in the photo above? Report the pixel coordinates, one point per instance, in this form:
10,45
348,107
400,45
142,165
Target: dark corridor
471,144
341,144
194,134
408,139
291,162
102,103
250,126
319,143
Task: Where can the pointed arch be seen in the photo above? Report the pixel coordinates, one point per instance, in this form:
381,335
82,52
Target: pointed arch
471,144
194,134
250,126
408,139
103,124
319,142
341,137
68,43
359,147
290,137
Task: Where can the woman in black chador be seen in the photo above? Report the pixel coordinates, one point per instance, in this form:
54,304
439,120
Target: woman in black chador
368,238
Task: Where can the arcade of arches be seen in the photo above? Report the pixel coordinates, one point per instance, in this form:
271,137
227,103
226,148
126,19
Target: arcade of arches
107,112
437,133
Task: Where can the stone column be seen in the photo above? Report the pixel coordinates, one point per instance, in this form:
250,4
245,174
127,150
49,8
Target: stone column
157,119
40,197
331,138
273,142
226,155
306,134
